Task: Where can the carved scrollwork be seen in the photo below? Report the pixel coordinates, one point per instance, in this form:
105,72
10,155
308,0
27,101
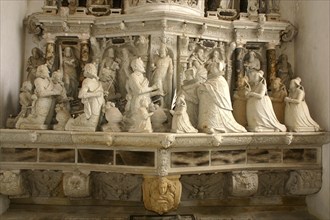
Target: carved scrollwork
304,182
11,183
161,194
289,33
33,25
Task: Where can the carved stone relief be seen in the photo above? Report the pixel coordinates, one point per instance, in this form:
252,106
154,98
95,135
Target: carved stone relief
11,183
116,186
45,183
304,182
244,183
76,184
161,194
204,186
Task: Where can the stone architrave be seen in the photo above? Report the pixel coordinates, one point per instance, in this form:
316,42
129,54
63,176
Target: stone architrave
244,183
11,183
76,184
161,194
304,182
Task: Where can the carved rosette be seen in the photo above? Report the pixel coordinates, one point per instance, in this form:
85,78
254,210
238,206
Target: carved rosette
304,182
11,183
76,184
244,183
161,194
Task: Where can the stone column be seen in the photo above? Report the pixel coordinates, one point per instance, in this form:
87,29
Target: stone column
271,62
239,68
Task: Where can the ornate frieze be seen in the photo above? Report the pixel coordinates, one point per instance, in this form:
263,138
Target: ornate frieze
44,183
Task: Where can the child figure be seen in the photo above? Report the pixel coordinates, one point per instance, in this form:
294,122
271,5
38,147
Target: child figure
142,121
25,100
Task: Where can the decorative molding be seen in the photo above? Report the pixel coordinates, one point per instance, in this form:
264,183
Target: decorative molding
76,184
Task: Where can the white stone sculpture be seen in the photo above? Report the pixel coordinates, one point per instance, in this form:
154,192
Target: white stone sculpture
259,110
50,55
158,119
113,117
277,96
163,76
70,65
297,117
141,118
33,62
91,95
62,117
239,103
25,100
138,88
189,90
215,108
252,64
59,87
197,63
43,102
180,121
108,74
124,71
284,70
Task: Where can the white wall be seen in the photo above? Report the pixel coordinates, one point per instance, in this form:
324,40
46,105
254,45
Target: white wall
312,65
11,61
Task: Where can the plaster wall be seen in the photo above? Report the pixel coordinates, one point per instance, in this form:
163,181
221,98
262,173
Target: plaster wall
12,54
312,65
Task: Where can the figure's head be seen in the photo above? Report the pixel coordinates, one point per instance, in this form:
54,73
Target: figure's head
163,186
276,83
138,65
283,58
36,52
42,71
68,52
252,56
57,76
90,71
255,76
216,54
295,83
200,53
27,86
163,51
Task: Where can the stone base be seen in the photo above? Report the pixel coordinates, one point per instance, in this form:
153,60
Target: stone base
137,212
29,126
4,204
